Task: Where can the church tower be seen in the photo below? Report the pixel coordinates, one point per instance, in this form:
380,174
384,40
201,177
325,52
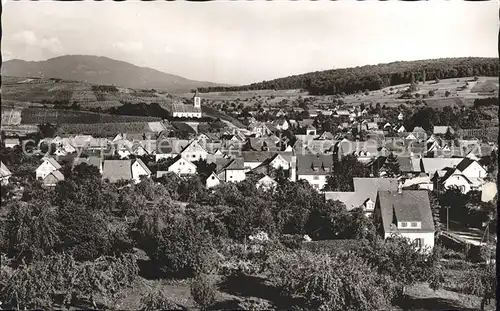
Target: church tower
197,100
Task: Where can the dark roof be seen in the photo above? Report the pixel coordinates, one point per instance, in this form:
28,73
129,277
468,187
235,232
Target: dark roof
410,205
256,156
95,161
223,164
464,164
184,108
311,164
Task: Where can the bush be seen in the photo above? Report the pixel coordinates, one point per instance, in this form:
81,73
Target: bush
326,282
156,300
203,291
255,304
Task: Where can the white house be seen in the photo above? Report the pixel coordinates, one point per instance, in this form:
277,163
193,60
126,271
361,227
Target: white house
187,111
182,166
400,116
212,181
314,168
467,175
11,142
231,170
48,166
194,152
405,213
5,174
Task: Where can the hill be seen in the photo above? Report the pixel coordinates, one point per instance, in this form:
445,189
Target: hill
374,77
101,70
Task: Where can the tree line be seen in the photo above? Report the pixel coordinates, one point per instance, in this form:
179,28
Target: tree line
374,77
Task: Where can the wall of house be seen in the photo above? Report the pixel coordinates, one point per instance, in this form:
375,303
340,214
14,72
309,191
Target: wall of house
475,170
138,171
280,162
427,237
5,180
234,175
44,169
50,180
457,181
212,181
195,155
317,181
182,167
123,153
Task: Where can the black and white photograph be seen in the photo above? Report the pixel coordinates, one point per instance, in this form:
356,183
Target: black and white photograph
249,155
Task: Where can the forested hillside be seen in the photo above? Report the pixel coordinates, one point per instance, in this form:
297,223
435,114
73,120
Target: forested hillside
374,77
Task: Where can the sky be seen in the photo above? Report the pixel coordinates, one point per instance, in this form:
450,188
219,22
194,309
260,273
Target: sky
250,41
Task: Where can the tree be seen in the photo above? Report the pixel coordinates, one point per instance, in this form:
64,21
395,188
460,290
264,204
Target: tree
391,166
316,278
343,172
203,291
481,282
157,300
33,229
400,260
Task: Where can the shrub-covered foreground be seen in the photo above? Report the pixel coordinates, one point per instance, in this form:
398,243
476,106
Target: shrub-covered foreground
75,245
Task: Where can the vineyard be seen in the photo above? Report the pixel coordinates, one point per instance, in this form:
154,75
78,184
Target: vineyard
44,115
102,129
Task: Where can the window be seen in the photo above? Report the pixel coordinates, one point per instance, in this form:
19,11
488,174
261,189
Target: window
315,177
316,186
194,156
418,243
414,225
213,177
189,170
403,225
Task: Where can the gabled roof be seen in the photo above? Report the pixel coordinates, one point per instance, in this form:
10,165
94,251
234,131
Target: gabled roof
115,170
182,108
256,156
431,165
311,164
441,130
53,162
57,174
170,146
95,161
4,171
410,205
418,129
193,146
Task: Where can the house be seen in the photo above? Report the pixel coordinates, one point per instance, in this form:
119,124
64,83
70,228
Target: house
212,181
52,178
314,169
48,165
167,148
364,194
304,123
431,165
130,170
401,116
11,142
231,170
123,148
5,174
326,136
467,175
453,178
283,161
442,130
371,126
281,124
60,152
253,159
182,166
260,144
194,152
406,213
259,128
266,183
311,130
400,129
